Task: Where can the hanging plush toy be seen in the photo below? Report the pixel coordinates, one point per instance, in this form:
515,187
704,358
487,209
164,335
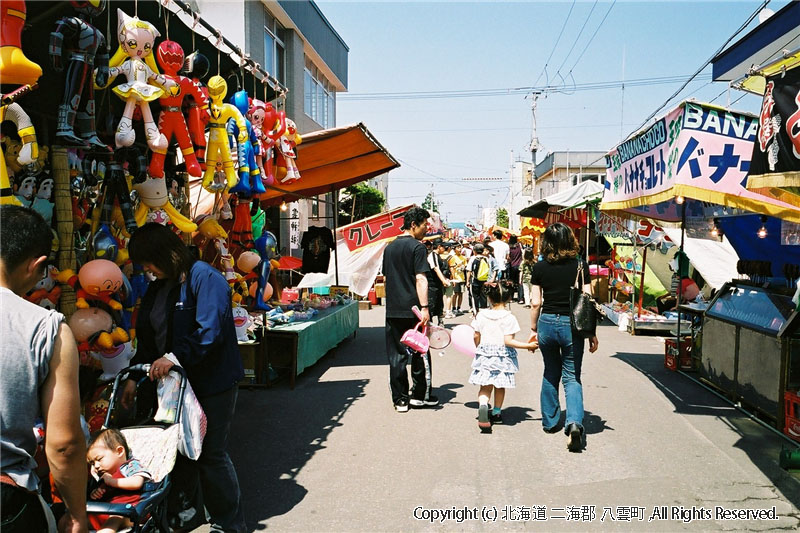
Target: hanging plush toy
15,68
249,172
97,280
171,121
46,293
218,148
86,48
265,246
43,202
273,128
256,114
29,151
196,66
134,60
287,168
154,199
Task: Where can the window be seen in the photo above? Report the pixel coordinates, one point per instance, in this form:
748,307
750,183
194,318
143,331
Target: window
274,48
319,99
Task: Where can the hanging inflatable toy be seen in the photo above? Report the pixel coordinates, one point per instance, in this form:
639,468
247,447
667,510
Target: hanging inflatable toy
218,148
196,67
249,171
46,293
134,60
171,121
29,151
15,68
153,198
97,280
85,48
266,246
43,202
273,128
287,167
256,114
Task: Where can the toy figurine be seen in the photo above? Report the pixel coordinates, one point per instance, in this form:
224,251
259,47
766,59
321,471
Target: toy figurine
276,120
28,152
15,68
242,229
43,202
287,168
265,246
153,197
256,114
46,293
86,48
26,190
249,172
95,329
171,121
196,66
114,359
218,149
97,280
134,60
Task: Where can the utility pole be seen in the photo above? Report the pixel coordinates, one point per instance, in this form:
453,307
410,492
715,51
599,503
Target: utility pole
534,144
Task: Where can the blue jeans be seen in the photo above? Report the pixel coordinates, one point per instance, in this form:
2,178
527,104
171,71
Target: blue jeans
562,362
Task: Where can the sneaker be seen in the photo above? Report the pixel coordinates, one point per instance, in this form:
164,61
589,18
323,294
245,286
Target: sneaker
574,443
483,419
432,401
449,315
496,418
401,406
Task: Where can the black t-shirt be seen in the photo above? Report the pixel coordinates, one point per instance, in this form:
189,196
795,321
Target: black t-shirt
555,279
403,259
316,244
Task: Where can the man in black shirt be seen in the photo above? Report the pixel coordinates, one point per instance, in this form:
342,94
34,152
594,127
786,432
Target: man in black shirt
405,266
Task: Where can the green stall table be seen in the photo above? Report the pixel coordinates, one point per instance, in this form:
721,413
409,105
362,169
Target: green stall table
299,345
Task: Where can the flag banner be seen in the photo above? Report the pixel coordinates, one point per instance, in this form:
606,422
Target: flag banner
373,229
776,150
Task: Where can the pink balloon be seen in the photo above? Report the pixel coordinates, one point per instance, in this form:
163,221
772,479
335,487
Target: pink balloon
462,338
268,290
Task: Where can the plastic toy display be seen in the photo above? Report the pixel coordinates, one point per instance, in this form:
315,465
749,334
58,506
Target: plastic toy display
134,60
171,121
249,171
28,151
155,207
287,167
196,66
85,48
97,280
15,68
218,148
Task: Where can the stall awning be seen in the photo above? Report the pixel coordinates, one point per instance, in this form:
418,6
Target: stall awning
707,161
762,49
333,159
571,198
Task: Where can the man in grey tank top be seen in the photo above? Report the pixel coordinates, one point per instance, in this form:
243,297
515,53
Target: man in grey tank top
38,378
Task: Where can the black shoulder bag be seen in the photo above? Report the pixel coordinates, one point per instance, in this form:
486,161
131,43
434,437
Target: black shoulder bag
585,312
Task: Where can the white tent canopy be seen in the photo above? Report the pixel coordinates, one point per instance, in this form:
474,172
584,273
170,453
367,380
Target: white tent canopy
716,261
576,196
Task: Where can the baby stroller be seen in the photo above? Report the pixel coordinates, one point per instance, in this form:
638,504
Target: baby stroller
154,444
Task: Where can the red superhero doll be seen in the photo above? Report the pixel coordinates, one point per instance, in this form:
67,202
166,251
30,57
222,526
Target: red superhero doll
171,121
196,66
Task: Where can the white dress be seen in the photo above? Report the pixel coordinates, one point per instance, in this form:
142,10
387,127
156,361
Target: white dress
138,75
494,363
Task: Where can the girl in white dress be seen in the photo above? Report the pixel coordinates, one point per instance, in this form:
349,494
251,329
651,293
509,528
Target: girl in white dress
495,360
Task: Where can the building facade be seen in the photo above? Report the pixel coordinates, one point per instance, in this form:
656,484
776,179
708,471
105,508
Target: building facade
559,171
521,191
294,42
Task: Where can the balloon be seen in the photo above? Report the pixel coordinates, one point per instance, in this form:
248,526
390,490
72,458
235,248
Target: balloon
463,339
268,290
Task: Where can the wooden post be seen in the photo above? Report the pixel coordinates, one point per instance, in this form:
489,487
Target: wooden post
66,241
641,279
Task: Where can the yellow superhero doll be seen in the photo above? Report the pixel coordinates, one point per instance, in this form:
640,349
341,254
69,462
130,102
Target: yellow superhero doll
218,149
30,149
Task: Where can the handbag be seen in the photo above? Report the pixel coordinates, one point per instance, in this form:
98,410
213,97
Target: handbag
417,340
584,310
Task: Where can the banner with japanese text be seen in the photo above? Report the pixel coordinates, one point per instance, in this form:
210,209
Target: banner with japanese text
373,229
697,151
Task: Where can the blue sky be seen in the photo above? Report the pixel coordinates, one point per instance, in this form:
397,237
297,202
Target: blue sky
458,46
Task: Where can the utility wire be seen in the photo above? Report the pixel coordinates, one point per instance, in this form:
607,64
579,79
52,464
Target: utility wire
704,65
591,38
473,93
544,70
578,36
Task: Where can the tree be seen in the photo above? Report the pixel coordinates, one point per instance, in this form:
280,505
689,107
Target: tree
502,217
360,201
430,204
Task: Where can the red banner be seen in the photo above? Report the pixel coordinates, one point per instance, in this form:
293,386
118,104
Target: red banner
373,229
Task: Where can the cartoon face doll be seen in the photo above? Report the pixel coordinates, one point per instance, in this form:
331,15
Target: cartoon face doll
134,60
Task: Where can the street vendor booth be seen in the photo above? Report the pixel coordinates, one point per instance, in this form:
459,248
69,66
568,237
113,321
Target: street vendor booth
690,167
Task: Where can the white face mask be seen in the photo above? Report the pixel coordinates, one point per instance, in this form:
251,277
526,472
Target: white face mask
150,276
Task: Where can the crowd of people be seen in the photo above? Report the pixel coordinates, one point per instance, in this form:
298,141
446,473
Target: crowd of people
434,276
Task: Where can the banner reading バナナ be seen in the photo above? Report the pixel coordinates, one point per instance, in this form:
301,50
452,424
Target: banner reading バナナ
640,166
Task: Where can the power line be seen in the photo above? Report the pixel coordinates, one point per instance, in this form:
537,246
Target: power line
544,70
705,64
591,38
473,93
578,37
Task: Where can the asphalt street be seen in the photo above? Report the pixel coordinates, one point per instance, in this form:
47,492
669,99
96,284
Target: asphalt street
662,453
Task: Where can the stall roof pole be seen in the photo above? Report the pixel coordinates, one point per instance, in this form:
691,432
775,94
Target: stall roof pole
641,279
336,247
678,299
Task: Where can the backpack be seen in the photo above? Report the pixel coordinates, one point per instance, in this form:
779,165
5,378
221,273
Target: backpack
480,268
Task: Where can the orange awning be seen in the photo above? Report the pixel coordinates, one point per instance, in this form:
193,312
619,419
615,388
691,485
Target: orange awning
328,160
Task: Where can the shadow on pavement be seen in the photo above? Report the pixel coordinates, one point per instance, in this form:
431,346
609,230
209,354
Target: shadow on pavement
762,446
274,434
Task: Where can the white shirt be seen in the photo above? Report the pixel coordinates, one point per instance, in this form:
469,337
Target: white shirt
494,325
501,249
